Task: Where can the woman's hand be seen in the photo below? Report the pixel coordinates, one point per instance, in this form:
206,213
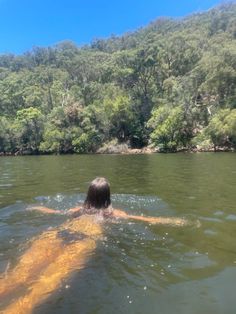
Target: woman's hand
43,209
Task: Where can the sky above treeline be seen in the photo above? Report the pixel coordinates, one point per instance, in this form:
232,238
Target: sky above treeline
28,23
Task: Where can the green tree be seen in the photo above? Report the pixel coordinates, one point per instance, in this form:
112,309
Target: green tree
28,128
222,128
168,128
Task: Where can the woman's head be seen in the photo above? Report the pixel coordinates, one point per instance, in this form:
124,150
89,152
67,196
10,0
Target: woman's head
98,195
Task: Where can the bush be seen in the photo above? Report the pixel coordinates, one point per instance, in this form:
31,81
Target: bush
222,128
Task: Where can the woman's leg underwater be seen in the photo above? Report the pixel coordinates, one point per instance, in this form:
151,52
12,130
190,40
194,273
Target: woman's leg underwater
73,258
42,251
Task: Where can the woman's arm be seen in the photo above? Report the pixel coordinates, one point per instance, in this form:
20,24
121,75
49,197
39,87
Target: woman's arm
153,220
46,210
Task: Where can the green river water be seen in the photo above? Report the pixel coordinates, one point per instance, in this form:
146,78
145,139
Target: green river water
136,268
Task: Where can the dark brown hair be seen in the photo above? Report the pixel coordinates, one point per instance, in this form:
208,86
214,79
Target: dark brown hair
98,195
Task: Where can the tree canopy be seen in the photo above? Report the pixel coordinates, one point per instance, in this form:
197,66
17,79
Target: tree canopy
171,85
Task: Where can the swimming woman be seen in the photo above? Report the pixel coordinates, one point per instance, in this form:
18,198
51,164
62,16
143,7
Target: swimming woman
57,253
98,201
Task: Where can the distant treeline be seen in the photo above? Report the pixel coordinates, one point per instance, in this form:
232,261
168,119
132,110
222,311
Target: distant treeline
171,85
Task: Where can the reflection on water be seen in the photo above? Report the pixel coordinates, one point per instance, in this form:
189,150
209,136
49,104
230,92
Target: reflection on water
136,267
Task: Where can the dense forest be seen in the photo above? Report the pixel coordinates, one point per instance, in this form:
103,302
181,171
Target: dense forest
170,85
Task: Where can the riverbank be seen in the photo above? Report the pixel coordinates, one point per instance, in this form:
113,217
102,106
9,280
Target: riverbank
124,148
128,151
148,150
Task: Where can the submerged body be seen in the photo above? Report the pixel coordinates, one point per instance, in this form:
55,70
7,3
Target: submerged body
57,253
51,259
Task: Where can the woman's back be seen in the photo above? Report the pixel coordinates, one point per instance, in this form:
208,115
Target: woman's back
89,225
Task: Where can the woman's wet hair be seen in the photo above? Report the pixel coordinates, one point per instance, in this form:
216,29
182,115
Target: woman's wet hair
98,195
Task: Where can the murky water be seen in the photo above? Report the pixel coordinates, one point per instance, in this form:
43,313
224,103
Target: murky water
136,268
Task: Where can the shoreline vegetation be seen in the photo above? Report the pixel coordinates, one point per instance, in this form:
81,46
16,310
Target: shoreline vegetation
123,149
167,87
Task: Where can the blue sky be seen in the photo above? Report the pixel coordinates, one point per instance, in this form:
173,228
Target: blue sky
28,23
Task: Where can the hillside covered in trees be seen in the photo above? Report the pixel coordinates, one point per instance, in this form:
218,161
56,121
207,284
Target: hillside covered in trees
171,85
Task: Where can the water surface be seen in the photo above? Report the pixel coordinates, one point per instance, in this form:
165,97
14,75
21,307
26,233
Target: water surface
136,268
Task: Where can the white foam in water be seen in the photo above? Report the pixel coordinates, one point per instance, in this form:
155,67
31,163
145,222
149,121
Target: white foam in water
135,203
231,217
139,203
61,201
219,213
59,198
